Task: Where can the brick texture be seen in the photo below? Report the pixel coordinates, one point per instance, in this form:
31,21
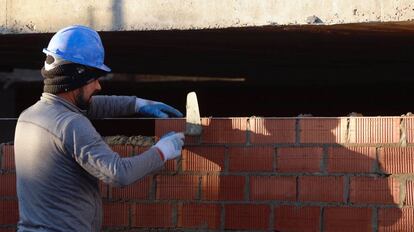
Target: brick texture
410,129
273,188
299,159
374,190
115,214
201,216
203,159
8,185
163,126
181,187
321,130
409,198
8,229
170,166
396,160
395,219
292,218
226,130
247,217
223,188
251,159
152,215
351,159
263,174
123,150
7,159
347,219
9,212
272,131
139,190
321,188
375,130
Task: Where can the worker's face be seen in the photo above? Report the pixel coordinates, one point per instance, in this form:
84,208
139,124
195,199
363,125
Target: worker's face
84,96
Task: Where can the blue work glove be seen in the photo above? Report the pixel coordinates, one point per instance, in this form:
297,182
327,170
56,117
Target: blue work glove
155,109
171,145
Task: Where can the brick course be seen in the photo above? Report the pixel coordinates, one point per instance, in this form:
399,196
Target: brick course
264,174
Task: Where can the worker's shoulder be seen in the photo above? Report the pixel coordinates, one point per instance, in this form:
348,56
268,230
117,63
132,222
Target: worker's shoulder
54,117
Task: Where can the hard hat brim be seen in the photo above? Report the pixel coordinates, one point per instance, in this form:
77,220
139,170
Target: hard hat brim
101,67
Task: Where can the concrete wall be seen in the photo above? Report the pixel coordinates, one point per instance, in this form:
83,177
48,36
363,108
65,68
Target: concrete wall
22,16
264,174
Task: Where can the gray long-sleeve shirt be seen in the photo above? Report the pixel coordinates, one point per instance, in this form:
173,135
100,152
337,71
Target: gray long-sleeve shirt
60,158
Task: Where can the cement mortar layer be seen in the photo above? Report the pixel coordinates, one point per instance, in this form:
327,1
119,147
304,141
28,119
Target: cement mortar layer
41,16
143,141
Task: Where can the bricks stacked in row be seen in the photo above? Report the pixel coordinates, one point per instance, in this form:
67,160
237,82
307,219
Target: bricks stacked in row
286,174
9,212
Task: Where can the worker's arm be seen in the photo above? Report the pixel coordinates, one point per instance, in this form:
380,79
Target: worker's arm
117,106
111,106
86,146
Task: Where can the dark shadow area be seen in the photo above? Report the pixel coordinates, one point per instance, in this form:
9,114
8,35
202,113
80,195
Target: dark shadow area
288,70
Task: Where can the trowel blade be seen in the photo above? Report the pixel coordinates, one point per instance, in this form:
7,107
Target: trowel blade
193,121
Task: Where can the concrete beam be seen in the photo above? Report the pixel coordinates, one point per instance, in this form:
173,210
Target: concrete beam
42,16
3,15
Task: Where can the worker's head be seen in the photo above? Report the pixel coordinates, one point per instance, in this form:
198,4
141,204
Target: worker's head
74,62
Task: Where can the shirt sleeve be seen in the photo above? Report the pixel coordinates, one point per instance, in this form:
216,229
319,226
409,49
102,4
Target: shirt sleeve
111,106
89,150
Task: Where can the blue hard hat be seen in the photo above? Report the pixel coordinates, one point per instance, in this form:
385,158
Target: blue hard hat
78,44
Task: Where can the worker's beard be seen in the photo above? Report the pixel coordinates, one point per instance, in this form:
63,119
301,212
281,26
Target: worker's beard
81,101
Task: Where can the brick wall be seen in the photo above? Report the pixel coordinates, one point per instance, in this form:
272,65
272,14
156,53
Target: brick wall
265,174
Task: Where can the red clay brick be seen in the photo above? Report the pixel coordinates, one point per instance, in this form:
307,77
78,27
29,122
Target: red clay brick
123,150
409,198
320,130
374,190
375,130
7,159
292,218
8,185
251,159
410,129
268,130
351,159
321,188
300,159
223,187
273,188
8,229
207,159
201,216
224,130
247,217
138,190
152,215
347,219
396,160
115,214
181,187
395,219
170,166
163,126
9,212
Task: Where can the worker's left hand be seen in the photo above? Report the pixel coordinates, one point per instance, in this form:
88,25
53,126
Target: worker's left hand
155,109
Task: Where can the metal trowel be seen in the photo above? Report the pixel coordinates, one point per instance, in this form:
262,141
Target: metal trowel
192,119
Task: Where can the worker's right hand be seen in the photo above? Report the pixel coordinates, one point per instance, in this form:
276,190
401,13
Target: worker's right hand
171,145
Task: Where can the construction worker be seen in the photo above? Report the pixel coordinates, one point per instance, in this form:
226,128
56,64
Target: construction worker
59,155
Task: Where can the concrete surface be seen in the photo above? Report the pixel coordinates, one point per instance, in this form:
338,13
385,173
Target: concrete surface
40,16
